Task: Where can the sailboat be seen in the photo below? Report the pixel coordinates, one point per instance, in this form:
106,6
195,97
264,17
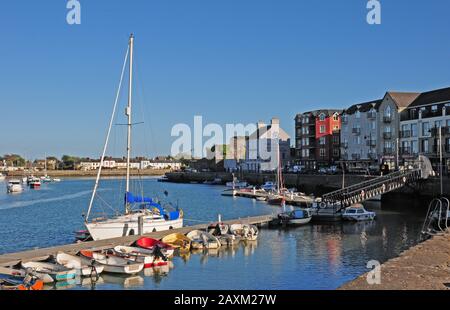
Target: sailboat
276,197
151,216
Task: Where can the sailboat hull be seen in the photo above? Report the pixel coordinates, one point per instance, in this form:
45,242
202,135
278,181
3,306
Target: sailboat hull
116,228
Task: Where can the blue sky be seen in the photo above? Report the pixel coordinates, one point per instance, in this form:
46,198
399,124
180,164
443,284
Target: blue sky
228,60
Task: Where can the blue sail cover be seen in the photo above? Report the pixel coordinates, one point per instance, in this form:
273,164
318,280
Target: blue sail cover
172,215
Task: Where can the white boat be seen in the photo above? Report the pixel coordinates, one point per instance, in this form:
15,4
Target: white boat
24,180
203,240
56,180
112,263
35,183
229,192
236,183
83,266
14,186
245,231
148,257
295,217
357,212
49,272
154,216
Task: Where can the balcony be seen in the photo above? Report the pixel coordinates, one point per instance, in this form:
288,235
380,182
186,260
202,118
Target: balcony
356,156
445,130
372,155
405,133
344,145
405,150
356,131
387,135
372,115
371,142
387,119
388,151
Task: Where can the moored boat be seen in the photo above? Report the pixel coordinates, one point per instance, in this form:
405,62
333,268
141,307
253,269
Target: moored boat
113,263
35,183
14,186
49,272
151,244
245,231
203,240
178,241
357,212
295,217
84,266
150,258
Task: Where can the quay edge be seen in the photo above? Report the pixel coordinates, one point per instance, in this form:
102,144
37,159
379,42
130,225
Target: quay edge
425,266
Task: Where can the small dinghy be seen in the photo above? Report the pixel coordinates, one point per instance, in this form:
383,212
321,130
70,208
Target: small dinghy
49,272
113,263
178,241
218,229
203,240
245,231
85,267
150,244
150,258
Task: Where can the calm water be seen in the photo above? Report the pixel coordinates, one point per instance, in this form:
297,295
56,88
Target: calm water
309,257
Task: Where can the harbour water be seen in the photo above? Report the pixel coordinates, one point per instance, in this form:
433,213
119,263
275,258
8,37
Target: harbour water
315,256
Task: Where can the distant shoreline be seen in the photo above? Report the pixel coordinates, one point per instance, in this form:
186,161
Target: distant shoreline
91,173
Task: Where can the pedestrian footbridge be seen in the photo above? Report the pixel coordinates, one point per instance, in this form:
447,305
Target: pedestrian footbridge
357,193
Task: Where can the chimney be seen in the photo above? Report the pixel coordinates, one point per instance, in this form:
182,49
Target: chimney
275,122
260,124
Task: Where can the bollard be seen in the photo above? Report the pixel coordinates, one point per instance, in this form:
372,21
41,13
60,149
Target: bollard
141,225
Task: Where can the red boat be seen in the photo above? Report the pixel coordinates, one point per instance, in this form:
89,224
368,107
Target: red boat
150,244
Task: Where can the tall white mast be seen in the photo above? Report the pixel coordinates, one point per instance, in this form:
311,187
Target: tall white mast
99,172
128,113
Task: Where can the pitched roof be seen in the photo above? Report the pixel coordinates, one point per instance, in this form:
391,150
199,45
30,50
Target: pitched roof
364,107
402,99
434,96
315,113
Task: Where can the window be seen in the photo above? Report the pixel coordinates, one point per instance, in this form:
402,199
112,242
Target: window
413,130
322,128
387,129
388,111
438,124
322,116
414,147
336,117
322,152
358,140
336,127
448,123
335,139
322,141
374,125
335,152
434,108
425,129
424,146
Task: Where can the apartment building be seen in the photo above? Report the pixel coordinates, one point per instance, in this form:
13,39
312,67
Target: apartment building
318,138
419,128
359,134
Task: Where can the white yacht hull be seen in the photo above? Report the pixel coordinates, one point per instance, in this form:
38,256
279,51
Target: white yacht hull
119,228
302,221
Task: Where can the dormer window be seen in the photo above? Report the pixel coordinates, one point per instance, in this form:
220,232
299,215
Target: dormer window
322,116
336,117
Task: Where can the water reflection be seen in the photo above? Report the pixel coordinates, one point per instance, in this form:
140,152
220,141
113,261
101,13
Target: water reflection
126,281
